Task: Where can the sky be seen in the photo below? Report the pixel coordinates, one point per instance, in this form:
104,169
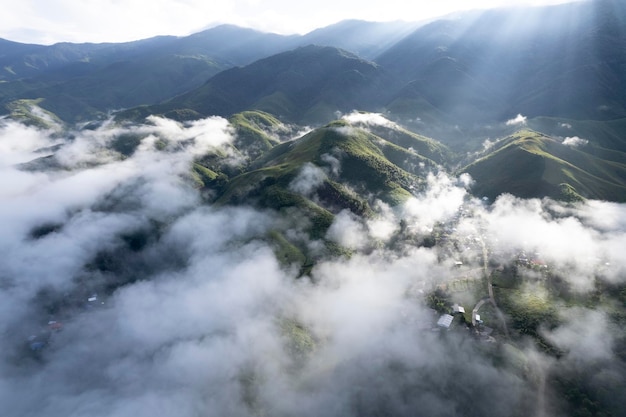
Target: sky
51,21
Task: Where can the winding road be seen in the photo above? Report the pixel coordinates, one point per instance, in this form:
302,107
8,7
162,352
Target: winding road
539,368
491,298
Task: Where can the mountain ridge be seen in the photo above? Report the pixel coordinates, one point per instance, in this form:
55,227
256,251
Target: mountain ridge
451,80
307,84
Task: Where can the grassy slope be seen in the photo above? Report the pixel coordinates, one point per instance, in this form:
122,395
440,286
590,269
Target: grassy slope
369,170
30,113
254,132
530,164
424,146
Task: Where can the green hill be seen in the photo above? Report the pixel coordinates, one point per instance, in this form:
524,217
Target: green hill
305,85
330,169
400,136
366,168
257,132
530,164
310,179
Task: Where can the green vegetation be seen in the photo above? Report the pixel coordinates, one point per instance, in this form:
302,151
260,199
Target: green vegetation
440,82
286,252
568,193
354,169
364,167
531,164
429,149
255,132
299,341
80,81
529,306
30,113
304,85
278,198
126,144
203,176
337,197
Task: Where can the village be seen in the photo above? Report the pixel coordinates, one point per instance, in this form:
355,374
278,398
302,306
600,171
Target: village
467,300
43,335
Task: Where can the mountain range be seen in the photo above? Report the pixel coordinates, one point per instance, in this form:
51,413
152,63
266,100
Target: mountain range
369,219
559,71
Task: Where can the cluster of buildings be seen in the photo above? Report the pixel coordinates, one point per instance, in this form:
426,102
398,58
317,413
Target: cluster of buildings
455,318
40,339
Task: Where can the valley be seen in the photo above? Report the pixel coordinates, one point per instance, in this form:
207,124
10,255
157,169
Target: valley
368,219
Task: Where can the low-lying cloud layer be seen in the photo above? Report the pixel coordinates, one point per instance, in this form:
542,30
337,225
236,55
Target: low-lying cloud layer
171,307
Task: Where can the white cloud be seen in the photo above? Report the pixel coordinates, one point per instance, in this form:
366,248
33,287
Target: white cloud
384,224
206,134
369,119
203,318
466,180
488,144
575,141
441,200
585,335
348,231
28,140
571,244
308,179
333,163
519,120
